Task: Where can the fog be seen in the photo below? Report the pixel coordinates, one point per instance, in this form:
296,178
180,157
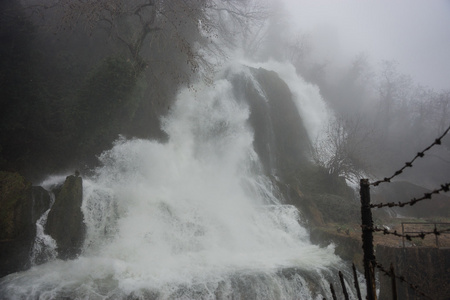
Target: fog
414,33
383,69
212,137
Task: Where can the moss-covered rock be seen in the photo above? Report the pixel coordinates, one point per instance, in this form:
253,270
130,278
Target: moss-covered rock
65,220
21,205
14,196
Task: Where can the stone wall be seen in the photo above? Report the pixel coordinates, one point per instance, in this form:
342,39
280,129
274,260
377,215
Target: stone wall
427,268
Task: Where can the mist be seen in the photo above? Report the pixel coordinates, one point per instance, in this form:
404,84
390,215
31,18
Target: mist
382,66
415,33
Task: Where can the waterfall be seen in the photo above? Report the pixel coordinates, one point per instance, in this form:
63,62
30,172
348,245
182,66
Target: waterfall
44,247
190,218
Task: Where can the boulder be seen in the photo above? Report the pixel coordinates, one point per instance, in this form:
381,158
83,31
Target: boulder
65,220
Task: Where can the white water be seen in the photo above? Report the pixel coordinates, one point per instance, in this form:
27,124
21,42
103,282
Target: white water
44,248
192,218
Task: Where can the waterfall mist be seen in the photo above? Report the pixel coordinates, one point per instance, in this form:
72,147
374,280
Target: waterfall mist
190,218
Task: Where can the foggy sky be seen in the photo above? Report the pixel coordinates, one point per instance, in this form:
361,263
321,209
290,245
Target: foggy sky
415,33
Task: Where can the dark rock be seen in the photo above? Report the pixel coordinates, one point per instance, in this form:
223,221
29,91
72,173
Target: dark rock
21,205
65,219
41,202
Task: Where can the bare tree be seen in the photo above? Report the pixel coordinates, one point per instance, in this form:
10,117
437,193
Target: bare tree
343,150
170,25
298,50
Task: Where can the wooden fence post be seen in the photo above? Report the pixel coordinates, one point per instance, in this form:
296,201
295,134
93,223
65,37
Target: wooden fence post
394,284
367,239
344,289
333,293
355,278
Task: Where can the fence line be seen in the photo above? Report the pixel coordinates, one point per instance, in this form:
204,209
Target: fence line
344,287
414,287
367,227
423,234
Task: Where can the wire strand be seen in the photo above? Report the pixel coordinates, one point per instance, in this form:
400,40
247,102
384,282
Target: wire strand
444,188
415,287
410,163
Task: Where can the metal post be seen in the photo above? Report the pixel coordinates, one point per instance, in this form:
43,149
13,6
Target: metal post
403,235
367,238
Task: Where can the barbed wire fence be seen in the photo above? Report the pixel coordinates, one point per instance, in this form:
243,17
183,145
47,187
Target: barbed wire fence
369,259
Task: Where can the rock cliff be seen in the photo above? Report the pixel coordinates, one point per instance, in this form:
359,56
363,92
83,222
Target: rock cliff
65,219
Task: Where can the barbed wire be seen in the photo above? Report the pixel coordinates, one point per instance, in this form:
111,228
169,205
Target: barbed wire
421,234
444,188
410,163
414,287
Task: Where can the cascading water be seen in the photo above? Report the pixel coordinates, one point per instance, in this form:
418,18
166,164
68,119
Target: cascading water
191,218
44,247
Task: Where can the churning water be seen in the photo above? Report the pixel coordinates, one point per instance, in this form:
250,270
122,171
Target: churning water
190,218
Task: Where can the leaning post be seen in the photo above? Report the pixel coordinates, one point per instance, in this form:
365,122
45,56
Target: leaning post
367,239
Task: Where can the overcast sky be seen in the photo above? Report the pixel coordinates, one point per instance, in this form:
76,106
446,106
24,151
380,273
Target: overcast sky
415,33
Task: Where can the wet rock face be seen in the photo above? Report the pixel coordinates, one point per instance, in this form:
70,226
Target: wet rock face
21,205
65,219
280,138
